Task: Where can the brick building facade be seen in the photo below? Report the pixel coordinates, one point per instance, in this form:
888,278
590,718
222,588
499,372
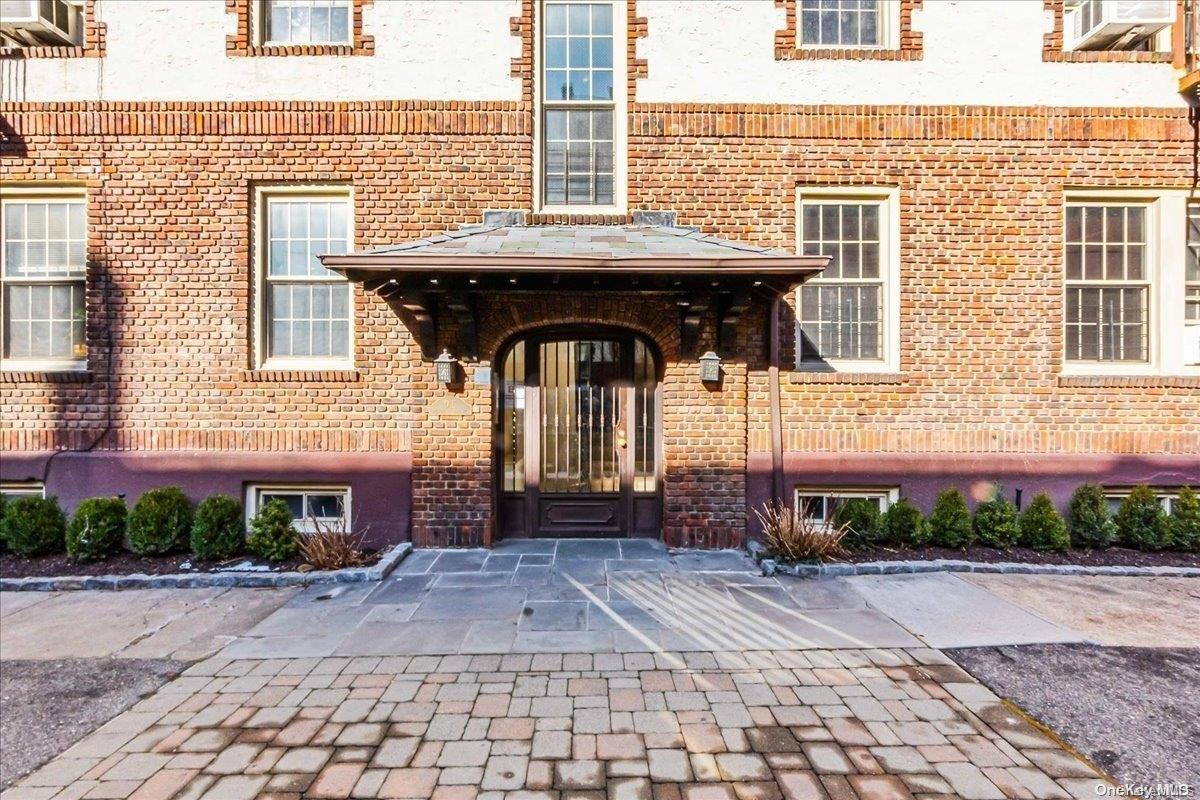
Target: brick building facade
965,364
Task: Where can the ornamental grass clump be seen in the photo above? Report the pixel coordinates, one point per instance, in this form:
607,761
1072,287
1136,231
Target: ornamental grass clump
950,522
788,536
1141,521
218,531
1185,520
272,535
1042,527
97,528
160,522
328,547
862,521
903,525
996,524
1089,522
34,526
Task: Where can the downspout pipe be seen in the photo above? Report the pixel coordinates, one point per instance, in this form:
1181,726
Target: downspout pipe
777,492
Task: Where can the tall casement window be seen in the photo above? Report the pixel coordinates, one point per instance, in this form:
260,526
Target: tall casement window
842,23
306,21
1107,282
1191,268
845,315
42,276
304,309
581,93
1131,282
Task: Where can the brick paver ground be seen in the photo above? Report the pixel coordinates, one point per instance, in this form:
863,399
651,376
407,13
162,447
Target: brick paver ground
760,725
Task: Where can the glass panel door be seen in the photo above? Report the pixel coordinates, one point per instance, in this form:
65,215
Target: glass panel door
582,430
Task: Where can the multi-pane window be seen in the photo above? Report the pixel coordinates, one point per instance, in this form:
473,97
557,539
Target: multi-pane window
578,104
307,306
313,509
1107,283
841,310
43,280
307,21
822,505
1191,268
840,23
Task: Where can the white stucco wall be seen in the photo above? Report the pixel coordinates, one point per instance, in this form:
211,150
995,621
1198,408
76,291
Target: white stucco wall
976,52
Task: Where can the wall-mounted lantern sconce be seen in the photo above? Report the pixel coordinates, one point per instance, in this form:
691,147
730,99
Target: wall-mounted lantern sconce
447,368
710,367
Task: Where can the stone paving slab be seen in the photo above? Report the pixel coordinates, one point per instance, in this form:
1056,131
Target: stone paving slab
869,724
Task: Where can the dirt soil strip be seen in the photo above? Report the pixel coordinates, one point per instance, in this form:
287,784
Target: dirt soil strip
1134,711
46,706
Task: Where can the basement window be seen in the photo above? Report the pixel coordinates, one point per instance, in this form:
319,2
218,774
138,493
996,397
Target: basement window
821,504
13,490
1116,496
313,508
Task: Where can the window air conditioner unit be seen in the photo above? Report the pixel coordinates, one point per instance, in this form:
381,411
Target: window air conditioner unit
1114,24
33,23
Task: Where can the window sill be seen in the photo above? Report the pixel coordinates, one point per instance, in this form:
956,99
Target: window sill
281,49
300,375
1107,56
861,378
11,375
848,54
1129,381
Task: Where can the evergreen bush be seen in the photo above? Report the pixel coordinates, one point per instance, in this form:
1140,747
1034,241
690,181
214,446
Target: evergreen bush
1141,521
161,521
903,525
1042,527
34,526
1185,520
217,530
861,520
996,524
950,522
97,529
271,533
1088,521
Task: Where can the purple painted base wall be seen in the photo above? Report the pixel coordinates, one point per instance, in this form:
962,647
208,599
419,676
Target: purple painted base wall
380,485
921,476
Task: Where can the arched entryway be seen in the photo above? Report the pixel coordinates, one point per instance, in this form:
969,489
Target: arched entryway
577,414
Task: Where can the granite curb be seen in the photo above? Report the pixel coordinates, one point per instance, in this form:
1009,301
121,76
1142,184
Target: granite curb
772,567
203,580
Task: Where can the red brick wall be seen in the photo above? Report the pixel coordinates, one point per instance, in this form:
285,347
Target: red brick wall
170,190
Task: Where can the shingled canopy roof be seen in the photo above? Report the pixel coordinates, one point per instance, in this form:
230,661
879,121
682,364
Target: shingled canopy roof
704,272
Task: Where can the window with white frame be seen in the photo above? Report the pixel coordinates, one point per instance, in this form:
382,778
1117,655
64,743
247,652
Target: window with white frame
305,308
1166,497
306,21
821,504
42,276
846,315
313,508
1191,268
1107,282
14,490
579,91
842,23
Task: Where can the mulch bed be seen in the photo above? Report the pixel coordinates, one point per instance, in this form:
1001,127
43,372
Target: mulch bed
1111,557
13,566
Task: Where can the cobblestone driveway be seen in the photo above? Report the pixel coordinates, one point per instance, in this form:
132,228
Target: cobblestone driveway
759,725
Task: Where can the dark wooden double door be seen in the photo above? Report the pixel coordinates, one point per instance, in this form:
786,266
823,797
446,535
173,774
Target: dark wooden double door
577,435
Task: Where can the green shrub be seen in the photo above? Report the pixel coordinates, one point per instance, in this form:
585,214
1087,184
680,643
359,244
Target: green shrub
1088,521
1185,520
160,522
3,503
996,524
861,519
903,524
34,526
950,522
218,530
1042,527
97,529
271,533
1141,521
